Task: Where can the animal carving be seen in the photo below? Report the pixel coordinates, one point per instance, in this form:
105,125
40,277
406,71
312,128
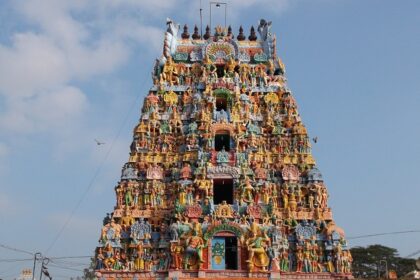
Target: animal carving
170,43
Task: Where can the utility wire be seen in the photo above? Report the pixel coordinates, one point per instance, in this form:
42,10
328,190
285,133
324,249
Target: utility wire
413,254
381,234
15,260
98,170
16,249
70,257
63,267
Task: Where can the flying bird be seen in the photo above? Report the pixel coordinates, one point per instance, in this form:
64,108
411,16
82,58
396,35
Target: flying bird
315,139
99,142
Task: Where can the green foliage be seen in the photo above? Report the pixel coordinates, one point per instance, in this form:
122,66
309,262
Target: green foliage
370,261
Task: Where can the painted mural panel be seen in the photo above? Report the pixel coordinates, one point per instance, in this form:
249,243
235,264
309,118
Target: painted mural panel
218,253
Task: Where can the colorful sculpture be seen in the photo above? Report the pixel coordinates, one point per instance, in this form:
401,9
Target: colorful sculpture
220,180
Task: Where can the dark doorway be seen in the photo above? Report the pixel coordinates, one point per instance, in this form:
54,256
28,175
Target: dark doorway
220,71
222,191
221,103
221,141
231,253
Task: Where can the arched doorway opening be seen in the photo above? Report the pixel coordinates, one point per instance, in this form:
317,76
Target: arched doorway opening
221,103
222,141
222,191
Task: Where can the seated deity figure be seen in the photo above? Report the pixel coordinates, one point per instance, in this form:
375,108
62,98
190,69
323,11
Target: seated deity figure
127,220
111,234
129,172
141,232
221,116
186,171
100,260
192,128
222,156
192,143
109,260
154,172
169,73
230,66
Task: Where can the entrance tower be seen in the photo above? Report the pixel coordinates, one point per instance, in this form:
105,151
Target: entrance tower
221,181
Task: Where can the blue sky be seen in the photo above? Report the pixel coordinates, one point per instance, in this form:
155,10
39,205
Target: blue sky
73,71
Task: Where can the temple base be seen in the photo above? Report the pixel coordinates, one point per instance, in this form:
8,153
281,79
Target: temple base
219,274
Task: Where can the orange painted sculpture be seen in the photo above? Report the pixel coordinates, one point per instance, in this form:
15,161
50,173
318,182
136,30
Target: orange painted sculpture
220,181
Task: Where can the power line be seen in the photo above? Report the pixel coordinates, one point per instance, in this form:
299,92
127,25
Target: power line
70,257
413,254
15,260
69,263
381,234
98,170
16,249
64,267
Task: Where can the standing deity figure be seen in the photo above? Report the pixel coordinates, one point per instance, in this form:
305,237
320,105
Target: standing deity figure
194,249
307,263
299,260
257,255
139,260
176,253
128,195
247,192
284,260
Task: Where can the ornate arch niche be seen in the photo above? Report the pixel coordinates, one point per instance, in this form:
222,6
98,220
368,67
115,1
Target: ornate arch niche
222,134
220,52
224,179
223,99
224,247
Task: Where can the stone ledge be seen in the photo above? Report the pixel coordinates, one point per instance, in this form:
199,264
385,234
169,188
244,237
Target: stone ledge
219,274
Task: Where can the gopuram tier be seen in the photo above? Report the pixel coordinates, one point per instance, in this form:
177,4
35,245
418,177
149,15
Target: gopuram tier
220,181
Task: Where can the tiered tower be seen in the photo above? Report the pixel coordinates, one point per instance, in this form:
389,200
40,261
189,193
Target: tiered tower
221,181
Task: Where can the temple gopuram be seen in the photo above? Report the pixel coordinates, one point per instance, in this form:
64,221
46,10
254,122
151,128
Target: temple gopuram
220,181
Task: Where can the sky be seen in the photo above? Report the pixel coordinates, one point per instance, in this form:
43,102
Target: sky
75,71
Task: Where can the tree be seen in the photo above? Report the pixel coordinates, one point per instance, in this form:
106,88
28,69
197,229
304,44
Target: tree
370,261
89,272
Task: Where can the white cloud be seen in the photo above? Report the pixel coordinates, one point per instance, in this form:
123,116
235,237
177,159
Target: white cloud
147,35
34,63
41,65
44,111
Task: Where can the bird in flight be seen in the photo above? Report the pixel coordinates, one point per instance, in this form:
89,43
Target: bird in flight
99,142
315,139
